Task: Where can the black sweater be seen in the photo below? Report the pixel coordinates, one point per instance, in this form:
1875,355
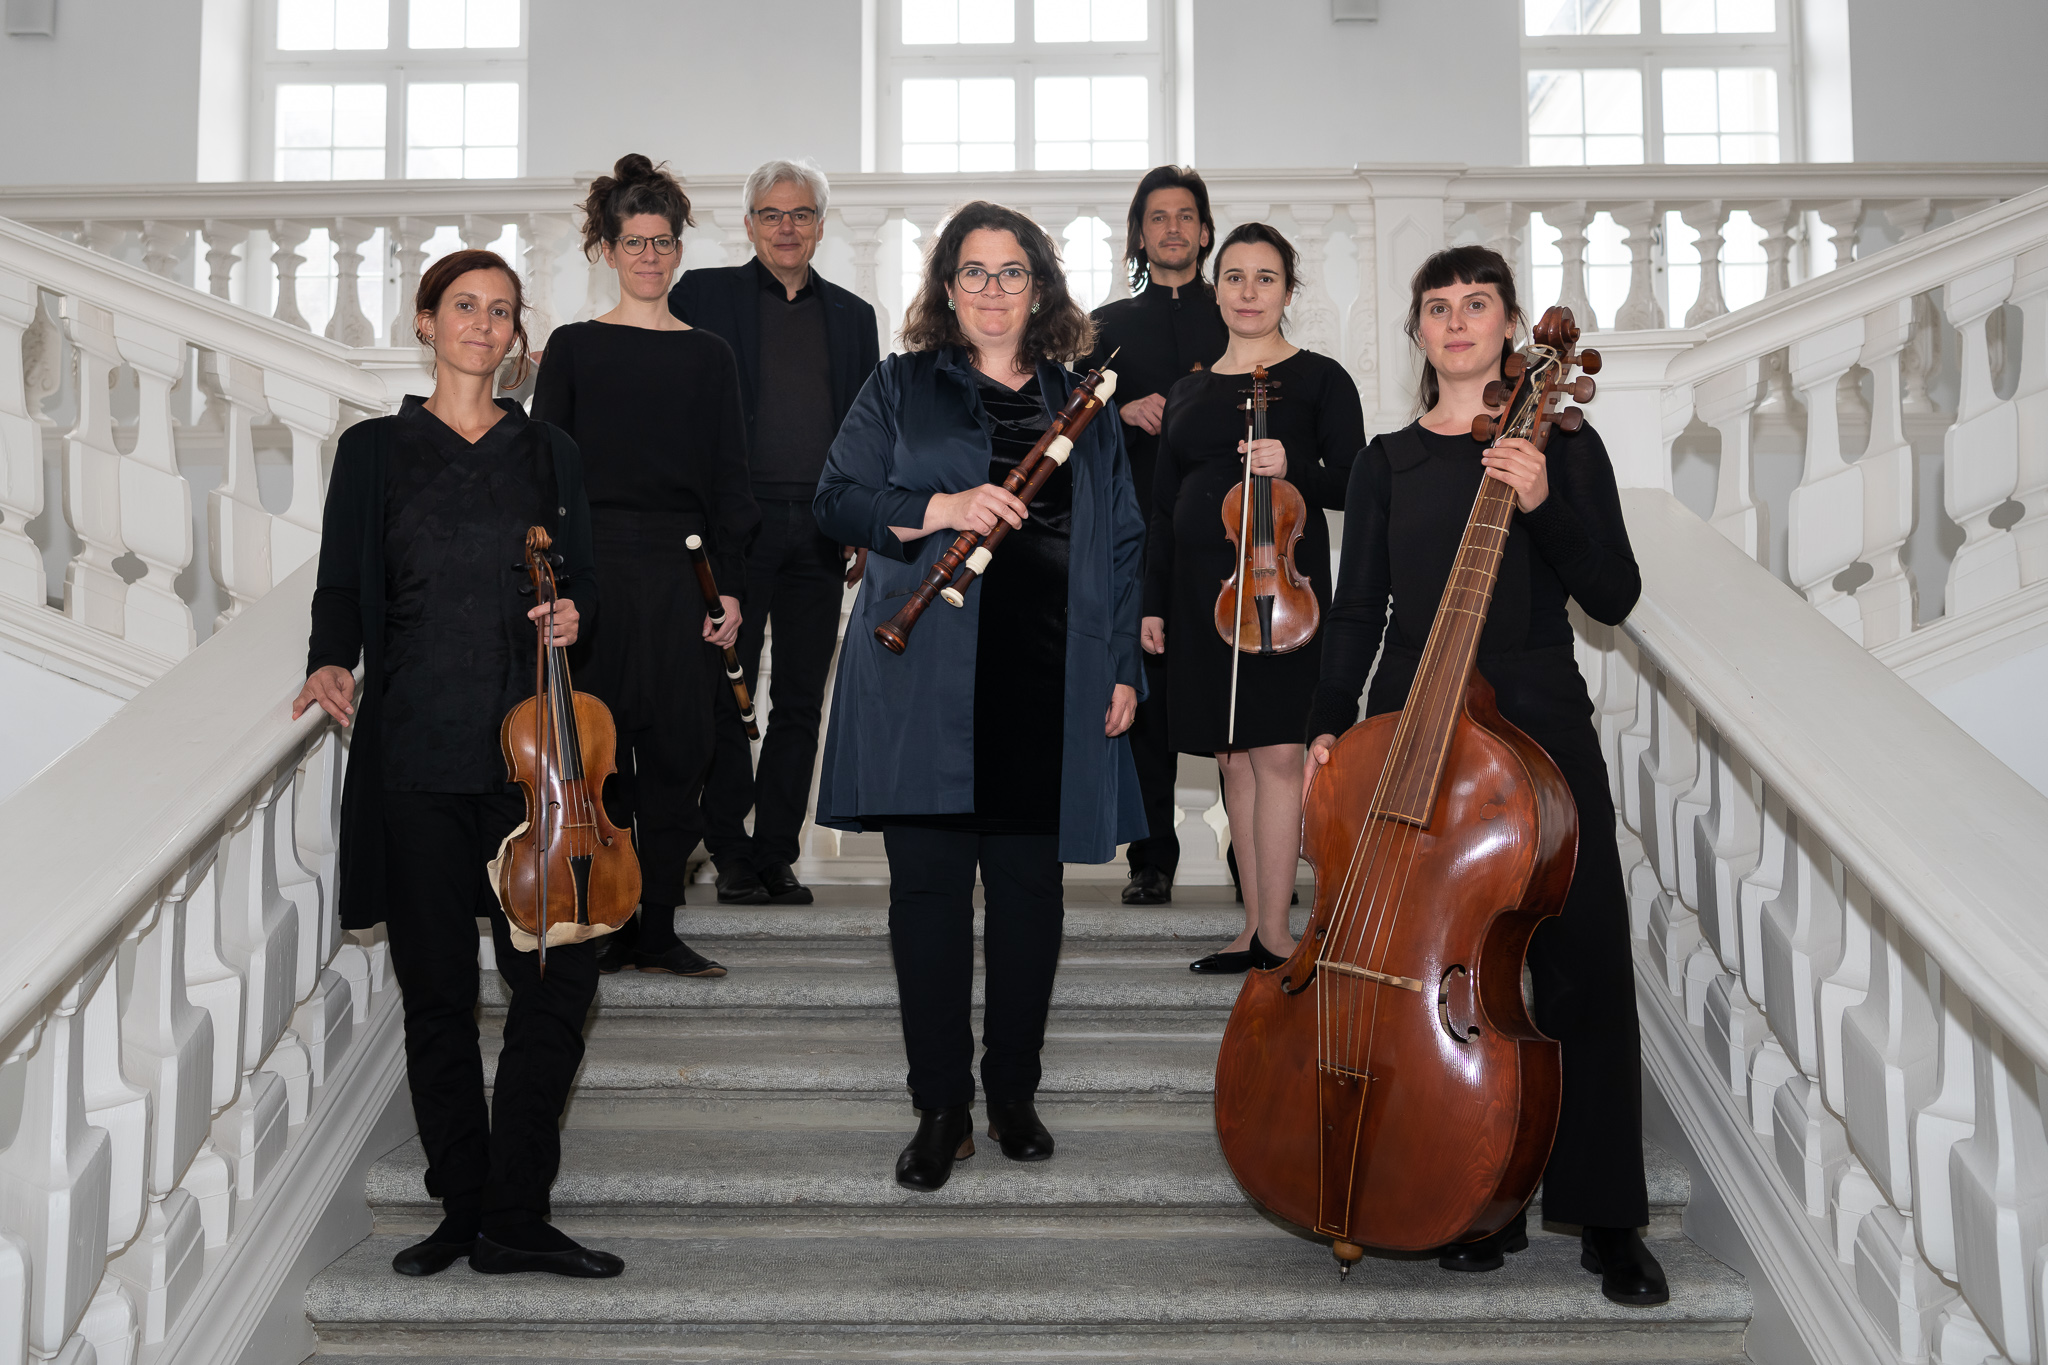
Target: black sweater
1410,495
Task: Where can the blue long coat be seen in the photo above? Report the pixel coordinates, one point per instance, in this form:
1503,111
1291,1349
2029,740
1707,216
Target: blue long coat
901,740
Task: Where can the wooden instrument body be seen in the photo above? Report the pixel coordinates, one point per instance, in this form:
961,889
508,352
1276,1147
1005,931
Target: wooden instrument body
1280,614
1446,1136
593,875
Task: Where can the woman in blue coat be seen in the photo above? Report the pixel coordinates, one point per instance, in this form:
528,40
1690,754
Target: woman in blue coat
996,740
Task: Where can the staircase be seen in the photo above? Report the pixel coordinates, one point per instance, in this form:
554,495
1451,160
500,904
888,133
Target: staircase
734,1139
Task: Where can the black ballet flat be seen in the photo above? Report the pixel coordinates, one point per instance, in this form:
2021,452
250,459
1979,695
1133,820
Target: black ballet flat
576,1262
1489,1252
1264,958
681,960
430,1257
943,1137
1018,1131
1629,1274
1222,964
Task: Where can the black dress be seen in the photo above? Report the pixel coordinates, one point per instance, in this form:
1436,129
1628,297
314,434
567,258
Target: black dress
1315,414
657,416
1410,495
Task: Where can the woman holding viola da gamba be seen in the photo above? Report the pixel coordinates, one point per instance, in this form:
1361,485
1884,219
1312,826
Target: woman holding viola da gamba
997,738
1410,495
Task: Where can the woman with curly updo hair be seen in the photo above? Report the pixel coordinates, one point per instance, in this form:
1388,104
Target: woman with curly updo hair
655,406
996,740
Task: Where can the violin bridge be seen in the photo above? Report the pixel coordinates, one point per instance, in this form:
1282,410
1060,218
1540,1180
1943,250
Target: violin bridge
1406,983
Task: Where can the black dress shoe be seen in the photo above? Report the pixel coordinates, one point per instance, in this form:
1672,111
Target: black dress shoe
430,1257
1017,1130
1148,886
1488,1252
1222,964
782,886
578,1262
681,960
1263,957
615,951
1628,1273
943,1137
739,886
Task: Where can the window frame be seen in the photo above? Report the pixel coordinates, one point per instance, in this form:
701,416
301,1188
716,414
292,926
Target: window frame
1022,60
395,66
1653,51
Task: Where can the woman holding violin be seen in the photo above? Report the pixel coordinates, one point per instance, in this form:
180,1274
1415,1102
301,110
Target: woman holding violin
995,738
655,406
1411,493
1313,430
420,578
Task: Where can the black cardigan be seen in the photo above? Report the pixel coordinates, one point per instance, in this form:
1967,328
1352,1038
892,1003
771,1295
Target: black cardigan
348,623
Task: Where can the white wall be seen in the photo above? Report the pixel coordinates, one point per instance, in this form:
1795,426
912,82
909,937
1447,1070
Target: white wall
43,715
1957,82
113,98
2001,710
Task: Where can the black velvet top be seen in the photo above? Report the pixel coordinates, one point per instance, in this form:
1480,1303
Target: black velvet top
1410,496
1157,335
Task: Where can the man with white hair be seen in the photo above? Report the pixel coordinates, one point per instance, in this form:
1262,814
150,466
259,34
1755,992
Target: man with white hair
805,348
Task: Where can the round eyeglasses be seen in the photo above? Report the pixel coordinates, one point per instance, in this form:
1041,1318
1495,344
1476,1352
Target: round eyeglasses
972,279
663,245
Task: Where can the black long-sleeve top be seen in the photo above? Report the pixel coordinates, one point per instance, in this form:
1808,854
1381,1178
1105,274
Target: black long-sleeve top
657,416
1410,497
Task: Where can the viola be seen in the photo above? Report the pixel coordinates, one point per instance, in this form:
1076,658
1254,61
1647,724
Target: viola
1386,1086
567,874
1264,518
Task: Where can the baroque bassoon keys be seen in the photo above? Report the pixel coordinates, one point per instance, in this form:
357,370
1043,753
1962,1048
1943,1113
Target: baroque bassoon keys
1386,1086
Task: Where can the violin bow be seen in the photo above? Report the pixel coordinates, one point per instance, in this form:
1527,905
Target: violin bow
1244,540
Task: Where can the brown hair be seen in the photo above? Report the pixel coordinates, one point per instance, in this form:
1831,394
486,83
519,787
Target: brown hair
453,267
636,185
1459,265
1165,178
1245,234
1058,331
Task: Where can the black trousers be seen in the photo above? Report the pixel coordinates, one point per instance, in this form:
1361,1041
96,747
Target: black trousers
436,846
931,932
797,577
1158,769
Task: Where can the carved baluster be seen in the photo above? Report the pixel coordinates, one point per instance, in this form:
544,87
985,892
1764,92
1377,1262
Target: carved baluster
116,1104
1959,1339
1315,312
156,502
1666,772
408,249
1980,455
1116,231
1761,886
223,242
1725,841
1706,218
1888,1057
259,927
1570,220
479,230
286,238
1922,358
1895,1286
94,592
1734,1029
1946,1120
732,228
22,578
543,235
1801,938
1852,1197
110,1325
1780,222
1615,703
600,289
238,523
1197,795
1824,521
2030,406
324,1020
1809,1142
1999,1179
1363,324
348,325
1728,402
312,415
864,231
1632,743
1886,602
1687,811
1844,218
163,246
1640,309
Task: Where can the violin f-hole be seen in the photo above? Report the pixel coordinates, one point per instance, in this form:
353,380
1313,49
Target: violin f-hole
1462,1035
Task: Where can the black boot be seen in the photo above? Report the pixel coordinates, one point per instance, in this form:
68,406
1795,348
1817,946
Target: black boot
1488,1252
1016,1128
943,1137
1628,1273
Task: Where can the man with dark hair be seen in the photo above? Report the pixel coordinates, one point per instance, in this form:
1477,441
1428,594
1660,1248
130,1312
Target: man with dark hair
805,348
1169,327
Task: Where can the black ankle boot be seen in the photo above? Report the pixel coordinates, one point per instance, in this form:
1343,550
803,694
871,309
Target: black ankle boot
1489,1252
1628,1273
1016,1128
943,1137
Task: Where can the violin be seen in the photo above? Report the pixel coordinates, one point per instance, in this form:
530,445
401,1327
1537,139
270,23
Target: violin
1264,518
1386,1086
567,874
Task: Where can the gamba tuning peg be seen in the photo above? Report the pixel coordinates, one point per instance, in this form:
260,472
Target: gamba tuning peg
1583,389
1483,427
1570,419
1495,394
557,560
1589,361
526,589
1513,366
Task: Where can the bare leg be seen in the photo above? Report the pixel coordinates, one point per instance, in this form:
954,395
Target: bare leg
1240,789
1276,829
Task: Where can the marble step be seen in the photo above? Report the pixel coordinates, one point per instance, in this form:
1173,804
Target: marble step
860,912
1210,1297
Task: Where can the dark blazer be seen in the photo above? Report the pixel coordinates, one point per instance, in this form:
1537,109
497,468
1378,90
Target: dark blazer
902,734
726,302
348,623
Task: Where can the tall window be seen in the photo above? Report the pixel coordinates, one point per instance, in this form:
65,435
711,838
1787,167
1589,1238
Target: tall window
1003,85
364,89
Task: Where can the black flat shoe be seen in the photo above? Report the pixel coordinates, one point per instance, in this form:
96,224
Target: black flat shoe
782,886
1017,1130
578,1262
1489,1252
1148,886
943,1137
1262,957
1222,964
739,886
1628,1273
430,1257
615,951
681,960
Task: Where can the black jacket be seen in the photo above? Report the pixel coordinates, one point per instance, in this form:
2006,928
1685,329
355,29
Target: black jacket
725,301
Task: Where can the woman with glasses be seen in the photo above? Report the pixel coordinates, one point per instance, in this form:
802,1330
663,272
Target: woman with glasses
655,407
996,739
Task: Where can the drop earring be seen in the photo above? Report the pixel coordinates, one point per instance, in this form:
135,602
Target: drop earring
1034,308
949,306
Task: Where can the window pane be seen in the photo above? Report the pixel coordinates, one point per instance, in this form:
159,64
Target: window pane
963,125
1061,112
1064,156
493,23
1060,21
1750,147
1610,16
1614,101
931,21
1747,16
491,115
1556,151
1688,16
480,163
436,23
931,111
1690,101
305,116
433,115
939,158
1614,151
987,21
304,165
1118,21
362,25
359,116
1543,17
988,156
1749,101
1692,149
988,111
433,163
1120,108
359,163
1122,156
1554,103
305,25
